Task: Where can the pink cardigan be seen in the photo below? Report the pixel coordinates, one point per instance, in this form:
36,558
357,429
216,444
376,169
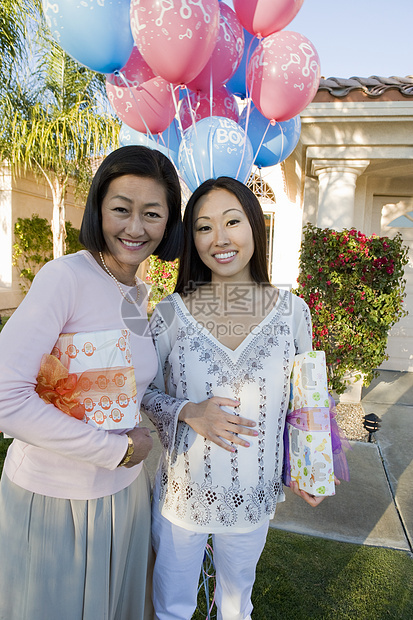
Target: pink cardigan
54,454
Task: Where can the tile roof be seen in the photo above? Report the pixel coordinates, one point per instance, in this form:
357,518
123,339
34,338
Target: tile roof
359,88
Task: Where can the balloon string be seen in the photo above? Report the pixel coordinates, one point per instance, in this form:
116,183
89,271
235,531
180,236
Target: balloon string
261,184
282,144
262,140
178,118
160,138
211,94
208,573
248,111
119,73
245,139
247,60
192,111
188,153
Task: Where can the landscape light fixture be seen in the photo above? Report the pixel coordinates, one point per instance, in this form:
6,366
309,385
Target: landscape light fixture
371,424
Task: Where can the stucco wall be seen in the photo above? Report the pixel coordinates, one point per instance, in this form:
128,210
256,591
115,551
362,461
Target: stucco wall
23,197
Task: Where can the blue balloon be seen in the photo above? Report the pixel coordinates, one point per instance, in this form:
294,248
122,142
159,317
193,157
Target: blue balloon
129,136
98,35
216,146
236,84
280,139
171,139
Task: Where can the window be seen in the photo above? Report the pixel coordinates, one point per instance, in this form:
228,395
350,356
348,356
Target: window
266,197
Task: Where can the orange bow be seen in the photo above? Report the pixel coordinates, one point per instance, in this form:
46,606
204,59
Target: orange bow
56,386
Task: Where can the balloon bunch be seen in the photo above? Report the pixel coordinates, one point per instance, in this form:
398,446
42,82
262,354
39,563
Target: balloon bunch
175,68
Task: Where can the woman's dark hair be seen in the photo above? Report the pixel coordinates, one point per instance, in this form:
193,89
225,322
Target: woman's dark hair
192,271
142,162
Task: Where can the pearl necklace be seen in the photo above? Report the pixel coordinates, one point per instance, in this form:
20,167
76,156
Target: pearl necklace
131,301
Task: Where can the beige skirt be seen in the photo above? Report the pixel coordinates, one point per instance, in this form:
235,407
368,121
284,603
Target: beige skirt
75,559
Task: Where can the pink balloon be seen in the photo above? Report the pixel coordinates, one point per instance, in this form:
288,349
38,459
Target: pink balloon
175,38
135,71
148,106
283,75
264,17
227,54
223,104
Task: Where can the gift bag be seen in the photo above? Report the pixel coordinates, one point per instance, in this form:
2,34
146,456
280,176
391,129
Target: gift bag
308,452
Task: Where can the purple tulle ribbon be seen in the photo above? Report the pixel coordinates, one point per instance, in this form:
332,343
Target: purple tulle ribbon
317,420
340,444
310,419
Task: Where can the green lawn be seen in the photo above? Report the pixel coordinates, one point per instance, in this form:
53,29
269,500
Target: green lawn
303,577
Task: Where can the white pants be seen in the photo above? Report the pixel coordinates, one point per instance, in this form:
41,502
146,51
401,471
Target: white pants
179,557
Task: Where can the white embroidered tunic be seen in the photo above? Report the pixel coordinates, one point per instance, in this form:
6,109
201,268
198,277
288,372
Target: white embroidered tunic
200,486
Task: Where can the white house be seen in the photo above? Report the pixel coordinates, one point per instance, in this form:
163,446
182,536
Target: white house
353,166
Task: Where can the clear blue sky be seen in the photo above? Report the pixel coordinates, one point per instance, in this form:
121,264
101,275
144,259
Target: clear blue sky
358,37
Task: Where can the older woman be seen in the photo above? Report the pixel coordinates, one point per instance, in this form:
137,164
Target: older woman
74,495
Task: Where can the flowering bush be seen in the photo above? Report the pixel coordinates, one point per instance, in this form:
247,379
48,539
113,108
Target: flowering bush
354,287
162,276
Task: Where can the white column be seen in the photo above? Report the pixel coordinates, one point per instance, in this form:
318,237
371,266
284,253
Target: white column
336,191
6,232
287,231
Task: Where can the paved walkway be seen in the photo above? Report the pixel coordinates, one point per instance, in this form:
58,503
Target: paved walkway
376,506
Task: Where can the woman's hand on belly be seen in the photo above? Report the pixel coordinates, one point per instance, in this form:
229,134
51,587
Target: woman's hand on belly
212,422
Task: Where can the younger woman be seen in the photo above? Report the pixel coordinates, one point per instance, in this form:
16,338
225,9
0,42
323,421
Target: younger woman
225,337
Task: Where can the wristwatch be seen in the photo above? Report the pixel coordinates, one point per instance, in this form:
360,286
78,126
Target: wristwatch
128,454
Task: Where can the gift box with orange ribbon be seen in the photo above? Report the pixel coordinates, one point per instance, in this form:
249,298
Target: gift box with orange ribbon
90,376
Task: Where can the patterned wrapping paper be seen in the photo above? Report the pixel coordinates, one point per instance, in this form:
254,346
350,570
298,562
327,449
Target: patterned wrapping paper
307,437
93,379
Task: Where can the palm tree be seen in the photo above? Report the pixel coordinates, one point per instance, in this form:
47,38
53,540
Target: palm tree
55,123
15,16
12,29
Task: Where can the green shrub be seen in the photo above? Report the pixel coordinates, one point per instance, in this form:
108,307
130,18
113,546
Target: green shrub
354,286
34,246
3,321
